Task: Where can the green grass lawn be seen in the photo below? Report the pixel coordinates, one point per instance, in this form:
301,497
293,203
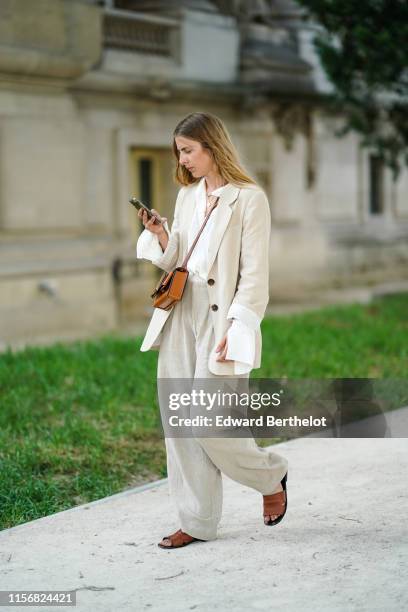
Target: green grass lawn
80,421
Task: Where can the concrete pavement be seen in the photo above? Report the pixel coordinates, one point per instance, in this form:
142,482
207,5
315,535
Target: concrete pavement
342,545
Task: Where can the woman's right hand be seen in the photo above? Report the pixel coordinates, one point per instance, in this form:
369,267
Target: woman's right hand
155,228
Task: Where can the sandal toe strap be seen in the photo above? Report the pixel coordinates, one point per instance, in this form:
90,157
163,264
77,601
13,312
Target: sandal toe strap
274,504
179,538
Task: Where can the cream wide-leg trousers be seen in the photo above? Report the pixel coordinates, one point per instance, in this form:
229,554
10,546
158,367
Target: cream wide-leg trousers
194,465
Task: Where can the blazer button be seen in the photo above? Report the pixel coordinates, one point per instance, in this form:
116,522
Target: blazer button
211,281
214,307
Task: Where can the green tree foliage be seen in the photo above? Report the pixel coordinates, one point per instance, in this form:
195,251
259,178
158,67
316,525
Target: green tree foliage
363,48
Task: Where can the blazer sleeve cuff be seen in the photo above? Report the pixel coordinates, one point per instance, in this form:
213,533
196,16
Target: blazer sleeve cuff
244,315
148,246
241,347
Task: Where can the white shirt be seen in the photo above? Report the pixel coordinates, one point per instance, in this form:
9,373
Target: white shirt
197,262
241,334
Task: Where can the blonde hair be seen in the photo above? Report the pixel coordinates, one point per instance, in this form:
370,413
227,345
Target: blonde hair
210,131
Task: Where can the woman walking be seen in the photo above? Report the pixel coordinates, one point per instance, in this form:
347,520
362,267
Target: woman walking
214,331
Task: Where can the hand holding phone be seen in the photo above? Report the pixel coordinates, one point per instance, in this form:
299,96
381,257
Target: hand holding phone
150,217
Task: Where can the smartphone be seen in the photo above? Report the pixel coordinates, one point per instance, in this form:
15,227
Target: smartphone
138,205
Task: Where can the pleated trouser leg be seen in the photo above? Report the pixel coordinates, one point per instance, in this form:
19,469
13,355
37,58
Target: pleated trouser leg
194,465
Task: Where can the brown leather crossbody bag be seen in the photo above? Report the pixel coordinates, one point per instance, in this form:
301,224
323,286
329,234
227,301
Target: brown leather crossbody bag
171,286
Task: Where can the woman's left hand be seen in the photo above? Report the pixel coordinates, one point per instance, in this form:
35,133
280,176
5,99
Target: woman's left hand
223,348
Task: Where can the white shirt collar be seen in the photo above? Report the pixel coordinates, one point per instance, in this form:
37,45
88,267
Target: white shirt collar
200,195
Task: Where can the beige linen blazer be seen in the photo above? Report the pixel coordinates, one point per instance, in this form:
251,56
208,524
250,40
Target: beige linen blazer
238,262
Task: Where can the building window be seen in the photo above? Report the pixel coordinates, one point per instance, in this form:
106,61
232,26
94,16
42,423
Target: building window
376,185
145,181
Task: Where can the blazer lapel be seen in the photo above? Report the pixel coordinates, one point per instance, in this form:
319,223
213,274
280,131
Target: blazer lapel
222,215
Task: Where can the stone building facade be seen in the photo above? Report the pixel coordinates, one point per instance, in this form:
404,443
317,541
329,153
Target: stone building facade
90,93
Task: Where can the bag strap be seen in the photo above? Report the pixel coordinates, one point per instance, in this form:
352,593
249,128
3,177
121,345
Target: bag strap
187,257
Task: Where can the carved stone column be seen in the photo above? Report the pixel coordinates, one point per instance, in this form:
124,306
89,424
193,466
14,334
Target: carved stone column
292,119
